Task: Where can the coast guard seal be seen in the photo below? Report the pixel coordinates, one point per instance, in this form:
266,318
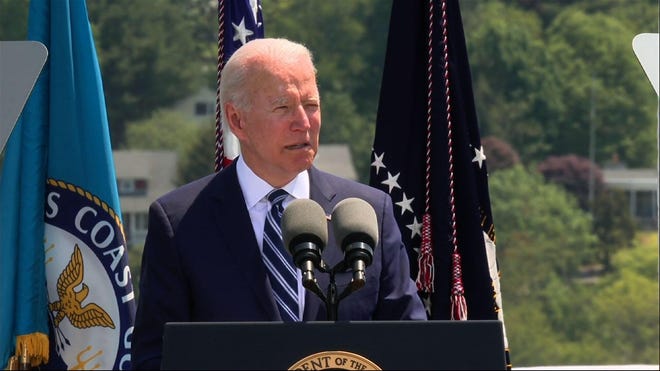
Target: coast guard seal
90,292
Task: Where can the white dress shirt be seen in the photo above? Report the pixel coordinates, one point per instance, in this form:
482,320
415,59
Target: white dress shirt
255,191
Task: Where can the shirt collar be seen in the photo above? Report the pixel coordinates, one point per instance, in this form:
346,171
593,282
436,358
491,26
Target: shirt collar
255,189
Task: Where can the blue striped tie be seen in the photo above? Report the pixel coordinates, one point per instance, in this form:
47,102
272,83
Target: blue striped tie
282,272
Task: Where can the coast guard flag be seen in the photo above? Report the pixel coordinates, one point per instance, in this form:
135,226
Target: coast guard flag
59,195
427,155
239,21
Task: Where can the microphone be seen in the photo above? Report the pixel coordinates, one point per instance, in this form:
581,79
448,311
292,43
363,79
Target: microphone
305,234
356,229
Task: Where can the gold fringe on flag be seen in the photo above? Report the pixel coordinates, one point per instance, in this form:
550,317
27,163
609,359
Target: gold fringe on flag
31,351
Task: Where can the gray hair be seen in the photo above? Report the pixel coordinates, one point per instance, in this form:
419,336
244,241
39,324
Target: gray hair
240,67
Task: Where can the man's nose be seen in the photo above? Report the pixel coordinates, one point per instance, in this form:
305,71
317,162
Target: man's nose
300,119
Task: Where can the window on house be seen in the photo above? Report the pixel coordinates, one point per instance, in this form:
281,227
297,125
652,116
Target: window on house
132,187
646,204
141,221
204,109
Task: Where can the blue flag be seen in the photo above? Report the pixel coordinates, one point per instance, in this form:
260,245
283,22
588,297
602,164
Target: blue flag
74,224
239,21
427,155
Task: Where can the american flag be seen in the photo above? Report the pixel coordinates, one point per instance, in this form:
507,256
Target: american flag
239,21
427,155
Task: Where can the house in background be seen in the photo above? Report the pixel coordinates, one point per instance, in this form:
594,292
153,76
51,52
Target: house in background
143,176
198,107
641,187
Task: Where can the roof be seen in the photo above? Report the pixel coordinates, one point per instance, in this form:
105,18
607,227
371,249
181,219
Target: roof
158,167
336,159
632,179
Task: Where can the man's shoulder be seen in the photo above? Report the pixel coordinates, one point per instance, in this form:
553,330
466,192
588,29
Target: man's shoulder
348,187
188,191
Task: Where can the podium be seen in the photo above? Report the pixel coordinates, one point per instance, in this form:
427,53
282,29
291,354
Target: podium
352,345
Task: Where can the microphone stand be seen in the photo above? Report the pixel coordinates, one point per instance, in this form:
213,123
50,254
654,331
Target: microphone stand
331,299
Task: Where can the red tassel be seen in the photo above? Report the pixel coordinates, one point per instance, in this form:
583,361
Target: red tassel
458,304
226,162
425,260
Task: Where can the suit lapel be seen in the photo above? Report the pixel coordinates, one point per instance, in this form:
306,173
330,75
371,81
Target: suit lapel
232,220
324,193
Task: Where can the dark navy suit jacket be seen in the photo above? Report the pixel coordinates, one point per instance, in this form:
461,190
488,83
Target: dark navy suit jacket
201,262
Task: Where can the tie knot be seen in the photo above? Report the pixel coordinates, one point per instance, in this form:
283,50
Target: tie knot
276,196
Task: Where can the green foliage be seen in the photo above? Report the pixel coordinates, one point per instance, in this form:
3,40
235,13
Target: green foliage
543,73
342,124
613,223
165,129
625,313
135,263
540,230
516,91
13,19
639,15
198,159
624,307
499,153
168,130
603,85
554,312
529,334
148,55
575,174
642,258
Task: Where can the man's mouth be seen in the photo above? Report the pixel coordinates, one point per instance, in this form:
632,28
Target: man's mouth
297,146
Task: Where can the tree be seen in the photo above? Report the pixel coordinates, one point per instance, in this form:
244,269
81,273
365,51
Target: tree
13,19
165,129
516,93
148,55
542,240
499,154
625,311
602,85
343,124
197,159
540,231
545,73
613,223
574,173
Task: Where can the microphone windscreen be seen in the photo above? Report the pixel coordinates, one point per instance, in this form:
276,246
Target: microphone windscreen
354,220
304,220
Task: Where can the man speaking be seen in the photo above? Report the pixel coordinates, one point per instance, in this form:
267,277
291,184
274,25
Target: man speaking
214,249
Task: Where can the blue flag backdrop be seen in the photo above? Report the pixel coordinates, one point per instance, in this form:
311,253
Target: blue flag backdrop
66,184
427,154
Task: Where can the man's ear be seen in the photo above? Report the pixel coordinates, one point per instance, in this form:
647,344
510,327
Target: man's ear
234,119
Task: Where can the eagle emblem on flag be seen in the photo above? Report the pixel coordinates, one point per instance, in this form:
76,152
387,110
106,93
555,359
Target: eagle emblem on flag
70,301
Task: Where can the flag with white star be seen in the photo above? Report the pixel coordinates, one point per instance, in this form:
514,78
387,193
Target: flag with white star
244,23
430,160
239,21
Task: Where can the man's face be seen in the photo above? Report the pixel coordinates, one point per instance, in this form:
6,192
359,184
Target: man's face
279,131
